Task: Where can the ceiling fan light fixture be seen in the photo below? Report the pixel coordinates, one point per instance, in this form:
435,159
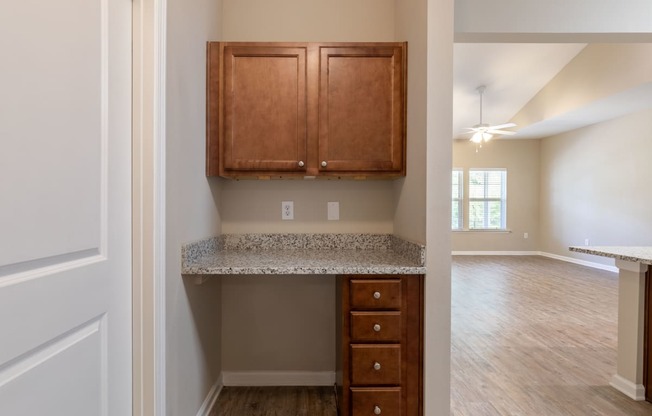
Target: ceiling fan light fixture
481,136
483,132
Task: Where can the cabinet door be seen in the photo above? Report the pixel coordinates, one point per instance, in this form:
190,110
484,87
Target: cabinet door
362,109
264,107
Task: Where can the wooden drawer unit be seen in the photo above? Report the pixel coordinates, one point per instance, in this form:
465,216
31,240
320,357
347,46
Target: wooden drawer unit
376,401
380,345
375,294
375,365
376,326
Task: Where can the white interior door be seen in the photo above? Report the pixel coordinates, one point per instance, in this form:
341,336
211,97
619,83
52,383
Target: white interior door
65,208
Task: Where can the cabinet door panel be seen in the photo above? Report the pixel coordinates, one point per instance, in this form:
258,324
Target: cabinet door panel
264,108
361,109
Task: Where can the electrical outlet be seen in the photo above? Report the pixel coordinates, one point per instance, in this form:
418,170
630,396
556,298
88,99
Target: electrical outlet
586,241
287,210
333,211
525,235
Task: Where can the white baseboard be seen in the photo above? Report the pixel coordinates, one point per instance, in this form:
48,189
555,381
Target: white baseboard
495,253
538,253
211,398
278,378
580,262
629,389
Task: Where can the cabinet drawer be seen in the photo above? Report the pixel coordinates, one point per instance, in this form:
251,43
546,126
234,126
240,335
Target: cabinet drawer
376,294
375,364
376,326
376,401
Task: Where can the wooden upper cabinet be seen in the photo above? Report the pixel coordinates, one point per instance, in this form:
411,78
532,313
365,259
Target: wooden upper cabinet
362,109
297,109
263,108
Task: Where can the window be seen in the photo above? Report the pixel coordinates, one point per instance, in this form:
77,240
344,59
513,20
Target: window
458,201
486,200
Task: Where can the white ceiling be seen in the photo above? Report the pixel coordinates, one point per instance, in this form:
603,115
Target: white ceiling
513,73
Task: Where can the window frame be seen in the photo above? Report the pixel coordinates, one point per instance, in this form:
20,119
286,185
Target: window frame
459,200
464,201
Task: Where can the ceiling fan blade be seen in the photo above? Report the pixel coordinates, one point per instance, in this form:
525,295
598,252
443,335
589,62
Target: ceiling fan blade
502,132
502,126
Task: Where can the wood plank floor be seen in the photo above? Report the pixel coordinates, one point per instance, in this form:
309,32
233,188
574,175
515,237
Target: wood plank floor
534,336
275,401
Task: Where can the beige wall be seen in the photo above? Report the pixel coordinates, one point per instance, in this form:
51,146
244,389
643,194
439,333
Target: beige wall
595,185
596,73
521,159
410,192
279,323
308,21
193,312
254,206
439,130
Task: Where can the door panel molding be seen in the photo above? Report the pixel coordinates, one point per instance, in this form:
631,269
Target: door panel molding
22,364
88,343
33,269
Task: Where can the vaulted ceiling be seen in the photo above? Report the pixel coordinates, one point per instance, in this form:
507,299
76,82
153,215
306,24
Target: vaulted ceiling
549,88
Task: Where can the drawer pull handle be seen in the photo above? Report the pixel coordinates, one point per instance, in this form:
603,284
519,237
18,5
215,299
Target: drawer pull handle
376,295
377,327
377,410
376,366
301,164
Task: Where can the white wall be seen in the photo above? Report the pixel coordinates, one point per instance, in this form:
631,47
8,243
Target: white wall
193,312
536,20
595,185
521,159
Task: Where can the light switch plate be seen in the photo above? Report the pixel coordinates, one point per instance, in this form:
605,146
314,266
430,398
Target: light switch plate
333,211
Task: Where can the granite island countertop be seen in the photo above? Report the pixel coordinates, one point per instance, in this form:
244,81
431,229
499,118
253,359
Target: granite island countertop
634,254
281,254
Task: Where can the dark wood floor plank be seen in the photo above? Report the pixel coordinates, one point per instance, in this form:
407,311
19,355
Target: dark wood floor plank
275,401
534,336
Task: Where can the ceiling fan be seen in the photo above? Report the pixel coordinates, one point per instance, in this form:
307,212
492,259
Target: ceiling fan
483,132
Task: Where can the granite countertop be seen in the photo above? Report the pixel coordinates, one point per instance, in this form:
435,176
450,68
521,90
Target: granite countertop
634,254
303,254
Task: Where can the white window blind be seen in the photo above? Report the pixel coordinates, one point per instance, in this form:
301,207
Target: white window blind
457,210
487,199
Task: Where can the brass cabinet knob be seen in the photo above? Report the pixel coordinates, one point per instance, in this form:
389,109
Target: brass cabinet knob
376,366
301,164
377,327
376,295
324,163
377,410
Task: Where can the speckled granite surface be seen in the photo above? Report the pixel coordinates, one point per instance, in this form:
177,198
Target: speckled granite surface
634,254
303,254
